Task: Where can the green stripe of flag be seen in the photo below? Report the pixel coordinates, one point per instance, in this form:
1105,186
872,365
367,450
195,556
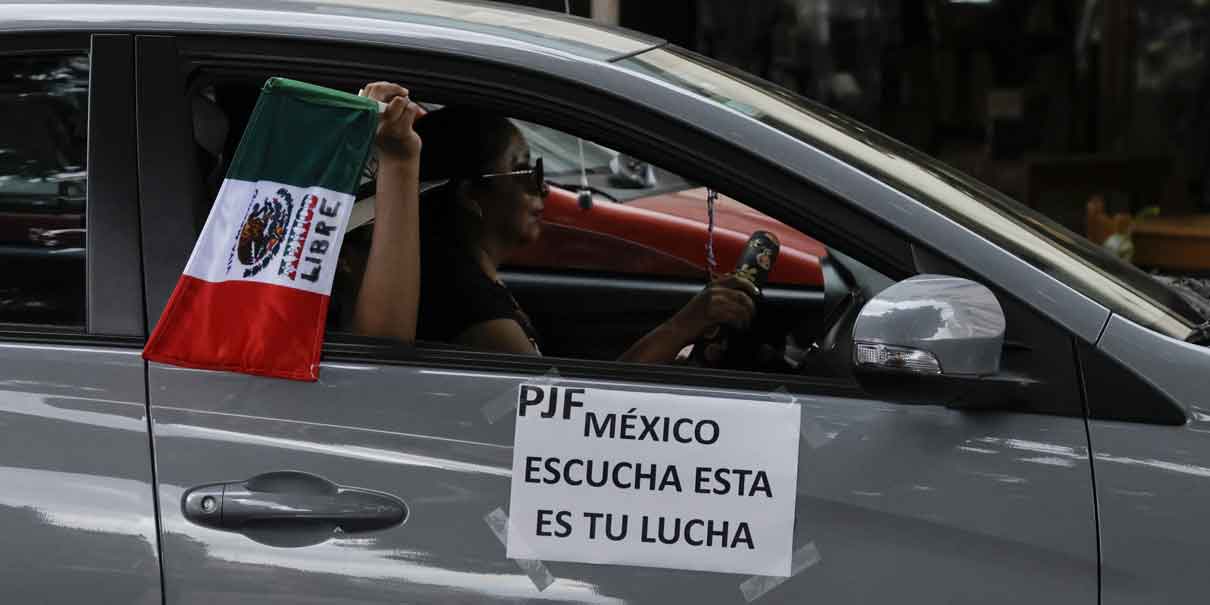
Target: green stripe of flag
306,135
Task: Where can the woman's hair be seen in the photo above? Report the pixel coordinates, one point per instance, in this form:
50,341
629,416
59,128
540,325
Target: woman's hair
461,142
457,143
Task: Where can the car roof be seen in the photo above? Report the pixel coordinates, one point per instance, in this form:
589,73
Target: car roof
351,20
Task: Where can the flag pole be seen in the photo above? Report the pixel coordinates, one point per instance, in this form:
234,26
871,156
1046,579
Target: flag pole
382,107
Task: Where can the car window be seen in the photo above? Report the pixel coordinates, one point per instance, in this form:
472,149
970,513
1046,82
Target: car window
43,128
597,279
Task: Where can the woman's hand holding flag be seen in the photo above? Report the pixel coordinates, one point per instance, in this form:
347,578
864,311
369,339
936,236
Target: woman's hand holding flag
390,290
395,136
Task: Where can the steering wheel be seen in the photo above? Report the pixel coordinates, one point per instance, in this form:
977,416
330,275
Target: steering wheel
820,345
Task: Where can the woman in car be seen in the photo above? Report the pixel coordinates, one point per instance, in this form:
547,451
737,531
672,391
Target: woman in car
490,205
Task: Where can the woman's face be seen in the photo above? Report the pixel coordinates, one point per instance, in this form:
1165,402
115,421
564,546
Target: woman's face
512,210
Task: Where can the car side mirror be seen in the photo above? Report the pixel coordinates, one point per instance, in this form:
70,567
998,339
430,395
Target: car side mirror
934,339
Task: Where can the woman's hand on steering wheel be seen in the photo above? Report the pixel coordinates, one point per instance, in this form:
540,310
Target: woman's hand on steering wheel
728,300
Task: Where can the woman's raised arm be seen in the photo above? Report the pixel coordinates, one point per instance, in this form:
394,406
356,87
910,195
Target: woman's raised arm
389,297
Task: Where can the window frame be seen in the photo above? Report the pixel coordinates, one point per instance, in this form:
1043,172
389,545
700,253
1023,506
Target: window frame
113,283
615,122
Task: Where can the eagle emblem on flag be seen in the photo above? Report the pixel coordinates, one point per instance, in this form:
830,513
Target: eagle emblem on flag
263,230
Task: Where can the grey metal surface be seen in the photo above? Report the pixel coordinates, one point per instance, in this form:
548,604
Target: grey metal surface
921,502
957,320
1178,369
77,517
1153,482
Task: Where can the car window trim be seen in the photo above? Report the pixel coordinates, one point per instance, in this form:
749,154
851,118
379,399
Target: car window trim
58,336
578,111
349,348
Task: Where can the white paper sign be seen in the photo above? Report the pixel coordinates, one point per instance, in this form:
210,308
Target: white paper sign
650,479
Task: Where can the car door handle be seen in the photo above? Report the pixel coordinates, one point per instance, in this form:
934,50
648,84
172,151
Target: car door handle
290,508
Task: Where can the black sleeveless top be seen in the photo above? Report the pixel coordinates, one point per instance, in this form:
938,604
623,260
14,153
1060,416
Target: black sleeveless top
455,295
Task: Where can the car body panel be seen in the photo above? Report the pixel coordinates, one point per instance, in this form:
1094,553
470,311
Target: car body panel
1153,481
939,504
77,509
1152,485
1166,363
354,20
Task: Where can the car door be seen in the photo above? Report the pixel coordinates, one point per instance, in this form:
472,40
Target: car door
893,502
77,506
1148,431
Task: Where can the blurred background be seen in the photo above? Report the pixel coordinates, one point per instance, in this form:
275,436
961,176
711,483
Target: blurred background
1096,112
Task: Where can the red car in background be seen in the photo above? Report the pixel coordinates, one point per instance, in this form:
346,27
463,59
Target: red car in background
645,220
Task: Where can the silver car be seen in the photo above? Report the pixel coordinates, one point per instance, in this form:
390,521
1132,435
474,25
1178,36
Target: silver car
993,410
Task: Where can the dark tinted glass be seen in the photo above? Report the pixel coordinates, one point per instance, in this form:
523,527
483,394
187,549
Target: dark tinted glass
43,127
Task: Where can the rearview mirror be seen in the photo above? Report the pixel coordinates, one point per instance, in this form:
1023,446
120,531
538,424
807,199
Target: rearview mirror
626,172
934,339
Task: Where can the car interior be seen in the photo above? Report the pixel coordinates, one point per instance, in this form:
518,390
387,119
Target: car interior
596,315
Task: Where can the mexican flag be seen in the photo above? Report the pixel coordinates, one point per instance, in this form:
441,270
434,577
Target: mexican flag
254,295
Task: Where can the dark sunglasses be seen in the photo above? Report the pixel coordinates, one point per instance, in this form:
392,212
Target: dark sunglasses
536,181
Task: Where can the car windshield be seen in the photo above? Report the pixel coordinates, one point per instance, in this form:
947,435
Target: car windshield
1122,288
561,151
